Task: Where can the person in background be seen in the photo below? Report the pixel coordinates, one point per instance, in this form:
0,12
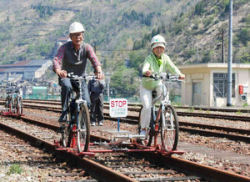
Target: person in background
72,57
156,63
96,88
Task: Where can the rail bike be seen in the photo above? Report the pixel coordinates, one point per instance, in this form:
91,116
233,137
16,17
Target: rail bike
162,135
13,102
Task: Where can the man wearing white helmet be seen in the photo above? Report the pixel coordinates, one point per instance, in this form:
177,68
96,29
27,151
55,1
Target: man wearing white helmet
155,63
72,58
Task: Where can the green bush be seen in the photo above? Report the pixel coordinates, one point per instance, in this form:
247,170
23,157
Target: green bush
206,56
199,8
244,36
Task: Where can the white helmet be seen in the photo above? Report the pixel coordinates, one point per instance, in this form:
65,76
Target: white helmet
158,41
76,27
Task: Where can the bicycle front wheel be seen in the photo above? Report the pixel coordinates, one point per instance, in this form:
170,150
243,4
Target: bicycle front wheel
66,136
83,127
169,128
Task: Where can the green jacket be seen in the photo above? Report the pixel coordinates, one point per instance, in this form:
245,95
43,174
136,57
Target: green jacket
157,66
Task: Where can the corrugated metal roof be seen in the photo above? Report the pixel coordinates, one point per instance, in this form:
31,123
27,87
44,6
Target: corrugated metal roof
23,66
19,70
26,63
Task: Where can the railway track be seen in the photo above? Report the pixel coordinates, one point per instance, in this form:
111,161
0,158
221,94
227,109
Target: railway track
144,166
195,128
192,111
27,159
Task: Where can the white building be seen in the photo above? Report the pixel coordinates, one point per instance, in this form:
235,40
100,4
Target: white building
206,84
24,70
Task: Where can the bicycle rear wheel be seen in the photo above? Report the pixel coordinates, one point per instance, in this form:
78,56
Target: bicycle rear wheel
149,135
83,127
169,128
19,106
11,106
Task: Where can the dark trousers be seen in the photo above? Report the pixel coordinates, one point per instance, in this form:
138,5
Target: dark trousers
67,86
96,108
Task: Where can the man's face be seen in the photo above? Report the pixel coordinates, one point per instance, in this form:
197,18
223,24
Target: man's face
158,51
77,38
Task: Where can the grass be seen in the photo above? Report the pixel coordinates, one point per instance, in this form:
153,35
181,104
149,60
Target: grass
245,105
191,109
15,169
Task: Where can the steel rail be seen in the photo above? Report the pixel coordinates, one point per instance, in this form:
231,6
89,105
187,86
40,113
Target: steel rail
106,174
199,108
101,172
97,170
134,120
210,173
137,108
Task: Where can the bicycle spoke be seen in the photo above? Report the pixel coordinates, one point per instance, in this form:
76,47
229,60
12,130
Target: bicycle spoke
83,129
169,129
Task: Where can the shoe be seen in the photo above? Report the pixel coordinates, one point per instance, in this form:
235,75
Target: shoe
101,123
92,123
63,118
62,127
143,133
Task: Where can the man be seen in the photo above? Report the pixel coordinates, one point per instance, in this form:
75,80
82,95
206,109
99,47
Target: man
96,88
72,57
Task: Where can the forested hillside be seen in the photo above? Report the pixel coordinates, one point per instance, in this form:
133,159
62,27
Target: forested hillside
30,28
121,31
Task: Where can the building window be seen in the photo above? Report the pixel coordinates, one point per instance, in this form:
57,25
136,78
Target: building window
220,84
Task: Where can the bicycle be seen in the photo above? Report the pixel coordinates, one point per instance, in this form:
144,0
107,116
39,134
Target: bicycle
163,120
18,102
9,100
13,101
77,129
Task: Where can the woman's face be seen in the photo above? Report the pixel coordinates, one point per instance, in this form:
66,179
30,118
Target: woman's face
158,51
77,38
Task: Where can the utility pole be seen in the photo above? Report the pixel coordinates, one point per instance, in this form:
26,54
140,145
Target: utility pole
222,45
229,73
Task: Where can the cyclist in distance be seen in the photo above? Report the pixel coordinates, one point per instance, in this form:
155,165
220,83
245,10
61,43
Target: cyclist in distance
72,57
156,63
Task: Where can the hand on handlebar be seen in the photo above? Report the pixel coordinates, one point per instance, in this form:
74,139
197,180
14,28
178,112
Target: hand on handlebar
148,73
62,73
181,77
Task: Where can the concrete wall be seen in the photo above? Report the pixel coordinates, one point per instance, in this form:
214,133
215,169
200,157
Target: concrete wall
203,74
203,77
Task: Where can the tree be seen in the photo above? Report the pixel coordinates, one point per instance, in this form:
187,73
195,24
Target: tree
124,82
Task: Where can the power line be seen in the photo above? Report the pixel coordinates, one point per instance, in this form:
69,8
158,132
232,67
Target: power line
122,50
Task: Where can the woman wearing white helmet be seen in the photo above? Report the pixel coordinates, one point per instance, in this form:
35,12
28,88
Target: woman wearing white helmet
72,57
155,63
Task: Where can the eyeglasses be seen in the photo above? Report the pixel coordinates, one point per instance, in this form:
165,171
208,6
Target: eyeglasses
76,34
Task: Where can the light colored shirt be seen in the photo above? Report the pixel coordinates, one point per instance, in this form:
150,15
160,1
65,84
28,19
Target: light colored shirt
157,66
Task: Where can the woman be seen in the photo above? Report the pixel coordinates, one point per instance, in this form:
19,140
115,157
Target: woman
157,62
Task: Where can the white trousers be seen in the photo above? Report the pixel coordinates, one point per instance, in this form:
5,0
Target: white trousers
146,99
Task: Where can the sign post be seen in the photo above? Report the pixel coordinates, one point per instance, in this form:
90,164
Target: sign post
118,108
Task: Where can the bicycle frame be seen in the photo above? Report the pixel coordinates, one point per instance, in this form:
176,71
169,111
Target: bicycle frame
78,120
164,119
157,117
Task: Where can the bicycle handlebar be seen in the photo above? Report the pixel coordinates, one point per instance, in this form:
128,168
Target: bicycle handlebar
167,77
76,77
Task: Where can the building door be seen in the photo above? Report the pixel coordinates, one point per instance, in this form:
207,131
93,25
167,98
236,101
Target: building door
196,95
